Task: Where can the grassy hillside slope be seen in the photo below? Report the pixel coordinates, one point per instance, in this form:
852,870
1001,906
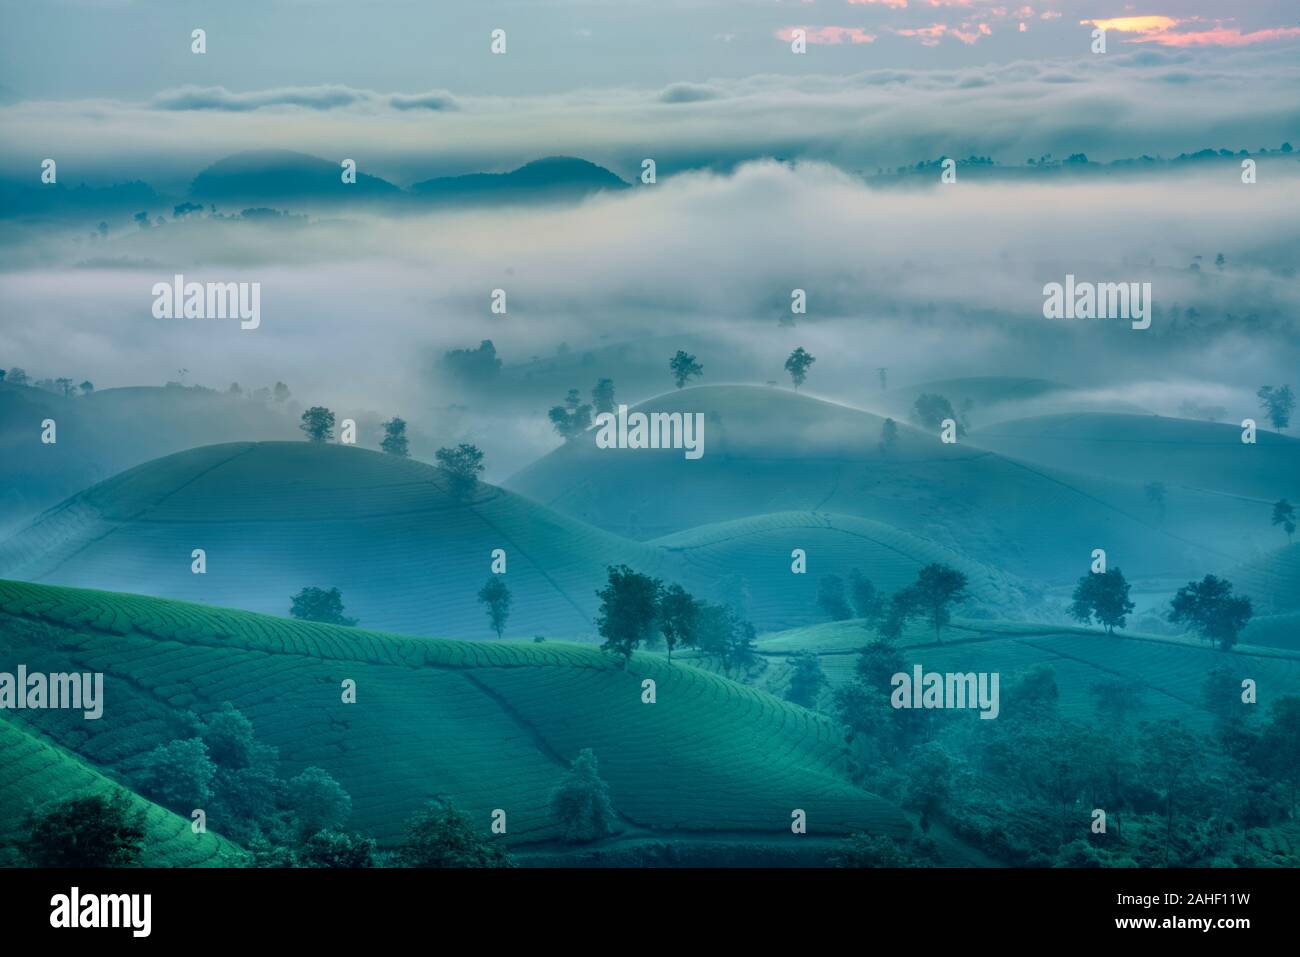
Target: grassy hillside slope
1171,671
491,725
772,450
35,773
757,551
275,517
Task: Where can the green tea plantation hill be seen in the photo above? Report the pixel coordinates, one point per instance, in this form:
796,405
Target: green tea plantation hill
1169,672
36,773
773,450
275,517
490,725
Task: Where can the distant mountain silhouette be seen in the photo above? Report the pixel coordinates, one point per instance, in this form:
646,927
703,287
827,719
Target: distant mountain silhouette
552,178
278,177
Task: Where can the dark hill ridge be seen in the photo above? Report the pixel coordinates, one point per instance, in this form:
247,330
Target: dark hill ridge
554,177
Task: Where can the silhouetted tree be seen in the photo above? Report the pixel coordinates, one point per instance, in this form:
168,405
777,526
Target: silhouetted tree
901,607
337,849
280,393
317,422
797,364
443,836
178,774
602,396
930,409
581,804
684,366
318,604
474,366
936,588
91,831
806,680
1284,515
461,467
1103,595
394,441
830,598
317,801
496,596
1210,607
888,436
1278,404
678,617
629,605
17,376
571,419
868,603
86,387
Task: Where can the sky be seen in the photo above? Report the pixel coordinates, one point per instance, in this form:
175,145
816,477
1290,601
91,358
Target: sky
762,154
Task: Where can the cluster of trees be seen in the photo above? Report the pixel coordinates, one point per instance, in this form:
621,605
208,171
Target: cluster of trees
1207,607
279,393
221,768
63,386
931,597
318,424
1278,404
930,409
574,416
318,604
636,609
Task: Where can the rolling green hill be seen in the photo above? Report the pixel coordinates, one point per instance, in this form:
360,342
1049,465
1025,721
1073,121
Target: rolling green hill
110,430
757,550
1206,456
35,773
772,450
1171,671
491,725
982,400
274,517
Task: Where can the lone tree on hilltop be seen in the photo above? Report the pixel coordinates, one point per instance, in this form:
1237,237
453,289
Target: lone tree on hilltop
461,467
629,606
684,366
936,588
1103,595
1211,609
394,441
797,364
496,596
318,423
581,804
571,419
1278,404
318,604
1284,515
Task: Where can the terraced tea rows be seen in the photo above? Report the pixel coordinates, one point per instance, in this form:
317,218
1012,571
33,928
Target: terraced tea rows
1171,672
491,724
35,773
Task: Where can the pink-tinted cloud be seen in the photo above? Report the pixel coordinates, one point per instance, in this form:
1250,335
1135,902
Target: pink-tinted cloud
896,4
1190,32
930,36
828,36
